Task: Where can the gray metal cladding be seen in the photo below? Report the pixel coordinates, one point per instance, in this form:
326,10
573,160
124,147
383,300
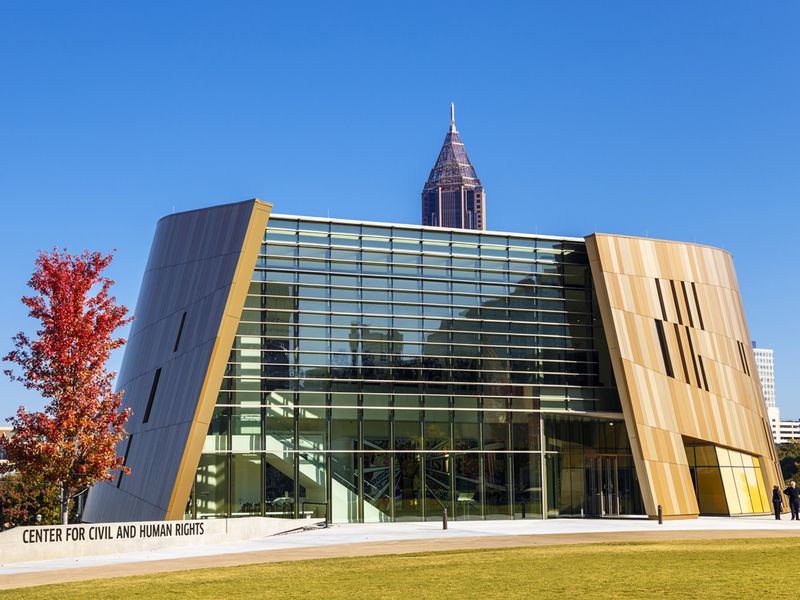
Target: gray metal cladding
190,269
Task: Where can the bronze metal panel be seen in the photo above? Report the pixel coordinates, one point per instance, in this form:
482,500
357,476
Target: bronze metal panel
714,399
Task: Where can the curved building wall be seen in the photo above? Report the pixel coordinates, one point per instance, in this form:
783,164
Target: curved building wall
191,297
685,372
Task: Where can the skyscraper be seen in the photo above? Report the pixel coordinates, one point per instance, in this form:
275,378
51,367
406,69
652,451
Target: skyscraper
453,195
765,365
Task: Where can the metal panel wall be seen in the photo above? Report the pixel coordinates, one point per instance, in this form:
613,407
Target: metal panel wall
682,358
200,264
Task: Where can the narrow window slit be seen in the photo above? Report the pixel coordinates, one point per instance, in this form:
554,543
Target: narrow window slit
661,300
694,355
703,371
153,389
180,332
688,304
683,355
125,458
697,304
675,299
664,349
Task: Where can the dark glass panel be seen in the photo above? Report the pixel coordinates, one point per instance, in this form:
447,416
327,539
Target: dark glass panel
497,499
466,430
527,486
377,428
407,486
467,486
406,427
438,473
495,430
525,431
554,483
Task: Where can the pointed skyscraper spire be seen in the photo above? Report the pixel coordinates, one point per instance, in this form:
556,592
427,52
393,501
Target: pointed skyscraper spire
453,195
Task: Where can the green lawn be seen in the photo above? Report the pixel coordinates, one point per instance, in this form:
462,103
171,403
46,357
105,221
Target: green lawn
753,568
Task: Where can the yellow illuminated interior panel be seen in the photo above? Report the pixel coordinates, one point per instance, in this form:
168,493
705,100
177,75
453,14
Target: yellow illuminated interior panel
711,494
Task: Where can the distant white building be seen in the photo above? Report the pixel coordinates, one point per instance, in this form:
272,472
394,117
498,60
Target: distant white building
782,431
788,431
765,365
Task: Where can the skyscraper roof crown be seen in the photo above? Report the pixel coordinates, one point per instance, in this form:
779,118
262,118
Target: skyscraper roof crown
453,166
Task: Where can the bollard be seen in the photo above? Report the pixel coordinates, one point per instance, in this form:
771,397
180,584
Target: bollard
660,515
444,519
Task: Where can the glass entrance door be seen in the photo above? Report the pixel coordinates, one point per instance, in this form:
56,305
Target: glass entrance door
602,486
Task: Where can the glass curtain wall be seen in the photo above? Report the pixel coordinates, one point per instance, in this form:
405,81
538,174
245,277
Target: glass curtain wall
391,373
727,482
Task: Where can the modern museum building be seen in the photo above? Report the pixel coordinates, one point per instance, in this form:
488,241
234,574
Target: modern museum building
365,372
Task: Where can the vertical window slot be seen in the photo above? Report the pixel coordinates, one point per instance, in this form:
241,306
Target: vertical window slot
661,300
153,389
697,304
683,355
703,371
688,304
743,357
662,340
675,299
180,332
125,458
694,355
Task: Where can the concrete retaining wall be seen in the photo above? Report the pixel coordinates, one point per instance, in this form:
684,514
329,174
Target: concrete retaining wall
45,542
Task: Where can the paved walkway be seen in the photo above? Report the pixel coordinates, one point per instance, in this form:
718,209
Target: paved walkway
390,538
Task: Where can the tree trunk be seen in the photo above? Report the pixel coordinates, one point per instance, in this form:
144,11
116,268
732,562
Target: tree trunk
64,504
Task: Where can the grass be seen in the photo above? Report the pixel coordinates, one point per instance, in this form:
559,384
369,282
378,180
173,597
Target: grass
751,568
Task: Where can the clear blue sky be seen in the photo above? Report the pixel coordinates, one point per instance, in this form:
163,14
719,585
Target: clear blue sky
678,120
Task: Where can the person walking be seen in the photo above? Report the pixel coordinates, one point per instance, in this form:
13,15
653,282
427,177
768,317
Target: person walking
777,501
793,493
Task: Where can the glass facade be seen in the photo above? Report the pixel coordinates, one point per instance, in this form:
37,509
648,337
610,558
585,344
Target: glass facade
387,373
727,482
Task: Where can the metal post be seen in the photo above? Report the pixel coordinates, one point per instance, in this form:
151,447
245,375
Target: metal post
660,515
444,518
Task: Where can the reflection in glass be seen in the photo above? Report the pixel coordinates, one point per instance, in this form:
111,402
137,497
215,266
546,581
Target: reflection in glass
384,373
438,467
468,486
211,486
246,434
278,486
527,486
497,500
377,487
407,487
312,487
344,487
246,485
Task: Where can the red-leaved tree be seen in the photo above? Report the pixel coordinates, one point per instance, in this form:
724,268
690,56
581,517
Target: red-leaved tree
71,444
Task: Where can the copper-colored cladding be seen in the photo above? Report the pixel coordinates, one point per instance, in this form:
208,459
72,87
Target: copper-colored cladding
682,359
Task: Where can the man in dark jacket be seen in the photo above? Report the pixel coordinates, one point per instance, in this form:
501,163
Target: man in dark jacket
777,501
793,493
